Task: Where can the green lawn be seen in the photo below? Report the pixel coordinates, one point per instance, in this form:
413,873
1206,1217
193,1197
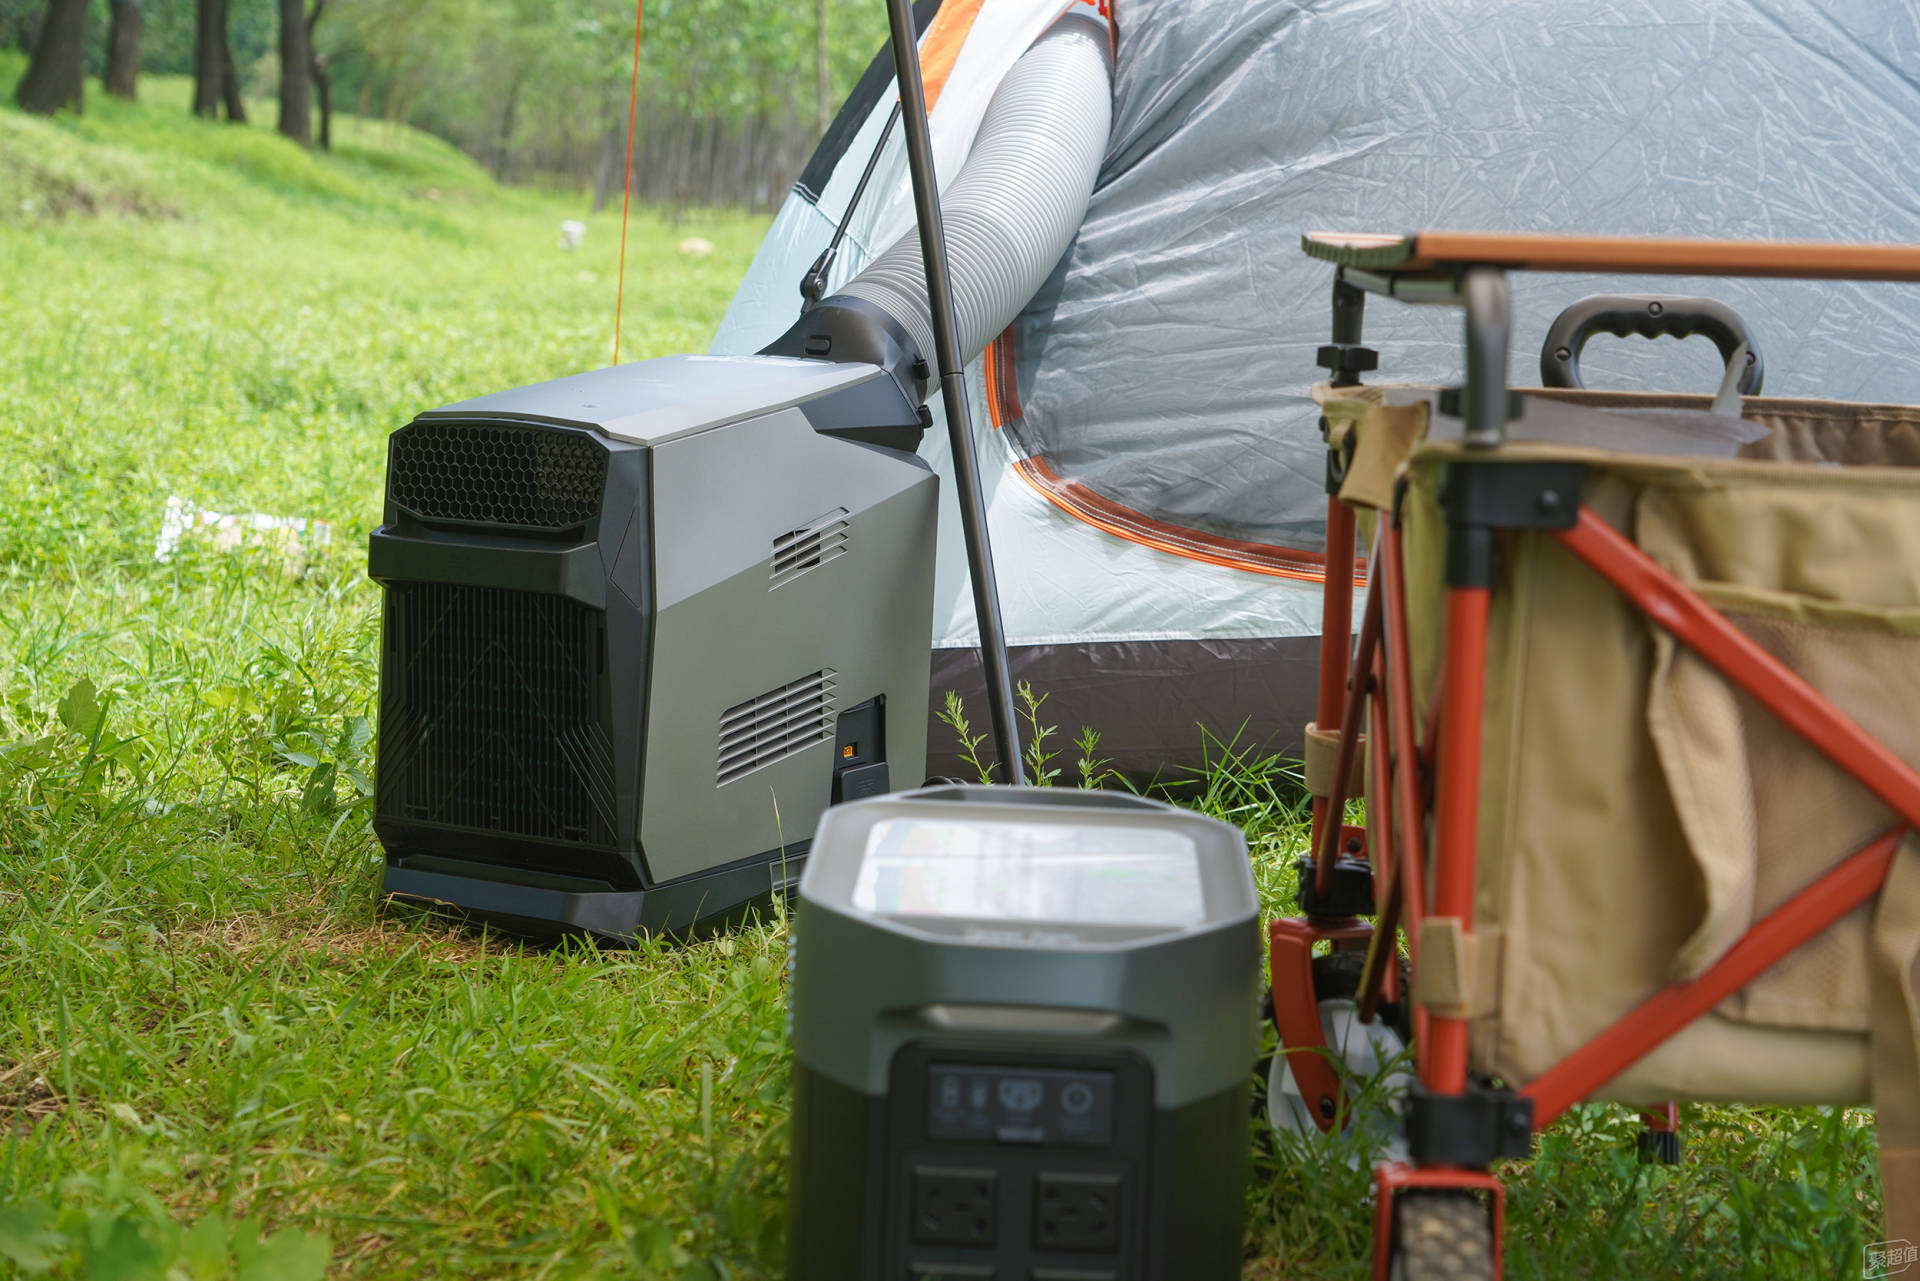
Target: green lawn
217,1057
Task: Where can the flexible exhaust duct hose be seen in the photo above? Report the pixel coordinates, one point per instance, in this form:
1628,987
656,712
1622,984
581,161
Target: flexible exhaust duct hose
1016,203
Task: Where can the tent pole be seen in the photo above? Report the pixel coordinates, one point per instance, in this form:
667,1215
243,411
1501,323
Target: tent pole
953,391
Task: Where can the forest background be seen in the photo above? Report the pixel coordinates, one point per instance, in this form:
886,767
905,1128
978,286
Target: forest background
732,94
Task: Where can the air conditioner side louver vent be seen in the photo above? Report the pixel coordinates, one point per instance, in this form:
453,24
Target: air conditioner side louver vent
775,725
809,547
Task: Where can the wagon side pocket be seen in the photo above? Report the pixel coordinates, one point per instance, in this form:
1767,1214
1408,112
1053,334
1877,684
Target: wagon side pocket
1763,813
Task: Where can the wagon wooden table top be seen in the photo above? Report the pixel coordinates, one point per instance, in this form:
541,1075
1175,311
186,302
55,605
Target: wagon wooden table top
1424,251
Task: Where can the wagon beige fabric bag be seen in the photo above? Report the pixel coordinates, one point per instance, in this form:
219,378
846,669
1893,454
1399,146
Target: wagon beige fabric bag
1638,813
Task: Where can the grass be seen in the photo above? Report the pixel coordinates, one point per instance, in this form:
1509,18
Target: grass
217,1058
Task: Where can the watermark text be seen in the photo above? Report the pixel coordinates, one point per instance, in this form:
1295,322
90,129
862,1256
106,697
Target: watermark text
1888,1258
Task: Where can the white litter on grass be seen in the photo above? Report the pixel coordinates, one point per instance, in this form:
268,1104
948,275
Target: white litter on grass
294,538
572,232
696,247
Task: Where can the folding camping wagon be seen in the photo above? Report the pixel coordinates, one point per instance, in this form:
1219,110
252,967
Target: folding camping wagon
1635,706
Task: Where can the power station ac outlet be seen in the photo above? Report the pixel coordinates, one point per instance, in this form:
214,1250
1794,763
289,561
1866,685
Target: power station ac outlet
1077,1212
954,1206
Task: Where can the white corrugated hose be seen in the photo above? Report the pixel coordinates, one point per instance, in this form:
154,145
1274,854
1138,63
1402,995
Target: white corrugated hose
1016,203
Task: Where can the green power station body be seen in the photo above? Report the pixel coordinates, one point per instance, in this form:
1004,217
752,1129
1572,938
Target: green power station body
1023,1024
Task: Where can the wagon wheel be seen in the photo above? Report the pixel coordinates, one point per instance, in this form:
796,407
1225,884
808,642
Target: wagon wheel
1440,1236
1365,1051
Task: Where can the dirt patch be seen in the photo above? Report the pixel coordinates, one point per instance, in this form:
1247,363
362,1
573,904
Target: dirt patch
28,190
25,1093
251,934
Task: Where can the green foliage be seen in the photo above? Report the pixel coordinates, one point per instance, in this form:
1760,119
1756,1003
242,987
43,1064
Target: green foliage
136,1241
1041,771
735,58
17,18
1091,770
167,34
56,774
217,1057
953,714
535,84
1090,765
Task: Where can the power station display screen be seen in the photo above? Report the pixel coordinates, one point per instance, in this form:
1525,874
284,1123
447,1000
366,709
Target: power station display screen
975,1102
1008,871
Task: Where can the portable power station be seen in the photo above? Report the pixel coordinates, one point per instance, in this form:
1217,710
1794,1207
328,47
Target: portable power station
642,625
1023,1025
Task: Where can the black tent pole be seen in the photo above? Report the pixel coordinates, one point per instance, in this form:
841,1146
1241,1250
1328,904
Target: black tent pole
953,391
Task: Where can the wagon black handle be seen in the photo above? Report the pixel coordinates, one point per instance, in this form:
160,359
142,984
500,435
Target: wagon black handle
1651,317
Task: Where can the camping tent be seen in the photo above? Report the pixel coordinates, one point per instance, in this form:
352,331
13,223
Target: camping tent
1152,462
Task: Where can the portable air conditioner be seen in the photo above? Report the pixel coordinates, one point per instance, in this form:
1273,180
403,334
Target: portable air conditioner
642,625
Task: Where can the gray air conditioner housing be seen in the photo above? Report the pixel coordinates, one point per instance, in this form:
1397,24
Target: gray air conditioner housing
642,625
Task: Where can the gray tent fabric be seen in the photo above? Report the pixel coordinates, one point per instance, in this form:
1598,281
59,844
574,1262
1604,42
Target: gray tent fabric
1151,456
1165,365
1165,711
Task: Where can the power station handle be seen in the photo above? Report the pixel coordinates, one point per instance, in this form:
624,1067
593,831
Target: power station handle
1651,317
944,788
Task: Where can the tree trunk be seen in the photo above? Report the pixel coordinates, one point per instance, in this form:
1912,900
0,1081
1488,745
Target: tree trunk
410,90
503,141
822,74
123,50
605,167
682,171
230,79
57,75
646,153
322,86
209,44
296,73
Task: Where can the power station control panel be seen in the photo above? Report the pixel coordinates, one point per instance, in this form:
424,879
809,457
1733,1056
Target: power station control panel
1019,1161
1016,1105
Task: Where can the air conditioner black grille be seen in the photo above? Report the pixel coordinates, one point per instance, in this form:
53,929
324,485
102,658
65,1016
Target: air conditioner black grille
494,714
496,474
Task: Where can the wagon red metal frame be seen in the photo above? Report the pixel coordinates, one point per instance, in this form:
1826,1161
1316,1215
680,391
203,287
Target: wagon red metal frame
1367,685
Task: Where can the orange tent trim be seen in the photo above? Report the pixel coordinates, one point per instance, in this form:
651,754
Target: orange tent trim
941,45
1081,503
938,51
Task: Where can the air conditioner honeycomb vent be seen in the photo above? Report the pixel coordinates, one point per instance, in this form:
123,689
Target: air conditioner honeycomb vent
499,474
774,726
